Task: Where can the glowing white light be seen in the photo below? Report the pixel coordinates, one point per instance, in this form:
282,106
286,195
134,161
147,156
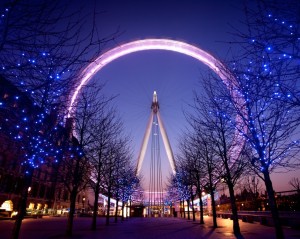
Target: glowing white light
169,45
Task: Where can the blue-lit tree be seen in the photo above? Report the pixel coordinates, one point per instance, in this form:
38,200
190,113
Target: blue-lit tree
201,150
172,195
43,47
130,188
124,172
181,183
33,136
42,50
266,73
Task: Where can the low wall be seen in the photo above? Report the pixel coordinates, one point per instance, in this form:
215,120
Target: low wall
290,219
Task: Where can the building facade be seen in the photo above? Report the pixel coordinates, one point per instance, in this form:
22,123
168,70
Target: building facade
46,193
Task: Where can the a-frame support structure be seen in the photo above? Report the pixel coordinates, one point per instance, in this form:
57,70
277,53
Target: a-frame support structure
155,113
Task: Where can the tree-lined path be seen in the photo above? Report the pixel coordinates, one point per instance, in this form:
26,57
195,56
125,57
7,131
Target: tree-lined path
140,228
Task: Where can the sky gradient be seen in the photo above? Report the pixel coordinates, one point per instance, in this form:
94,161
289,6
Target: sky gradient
134,77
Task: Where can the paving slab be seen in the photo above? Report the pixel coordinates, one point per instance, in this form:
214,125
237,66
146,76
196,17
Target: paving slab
140,228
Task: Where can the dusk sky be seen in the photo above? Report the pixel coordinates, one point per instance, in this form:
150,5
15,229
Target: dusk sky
134,77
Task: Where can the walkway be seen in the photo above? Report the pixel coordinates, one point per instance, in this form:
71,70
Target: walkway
140,228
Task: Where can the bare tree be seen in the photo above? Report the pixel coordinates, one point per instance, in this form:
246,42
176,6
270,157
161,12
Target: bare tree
295,183
211,116
74,172
185,177
115,163
78,167
194,164
105,127
208,159
252,185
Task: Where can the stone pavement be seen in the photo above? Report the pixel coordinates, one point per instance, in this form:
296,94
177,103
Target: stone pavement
139,228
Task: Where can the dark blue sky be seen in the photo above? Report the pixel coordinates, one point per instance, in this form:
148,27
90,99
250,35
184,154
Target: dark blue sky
134,77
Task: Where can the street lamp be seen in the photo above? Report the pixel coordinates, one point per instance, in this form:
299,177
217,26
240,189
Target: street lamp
83,201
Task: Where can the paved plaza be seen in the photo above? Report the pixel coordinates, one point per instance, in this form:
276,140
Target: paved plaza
139,228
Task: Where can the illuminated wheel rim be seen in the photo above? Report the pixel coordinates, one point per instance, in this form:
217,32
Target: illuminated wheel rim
168,45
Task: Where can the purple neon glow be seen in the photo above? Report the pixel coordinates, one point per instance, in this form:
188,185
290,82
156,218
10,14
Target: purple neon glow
169,45
142,45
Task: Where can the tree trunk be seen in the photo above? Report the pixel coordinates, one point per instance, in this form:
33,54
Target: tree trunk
201,209
212,194
129,208
71,212
213,205
236,226
193,209
188,205
181,207
116,212
122,210
22,206
95,208
108,209
273,205
184,213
